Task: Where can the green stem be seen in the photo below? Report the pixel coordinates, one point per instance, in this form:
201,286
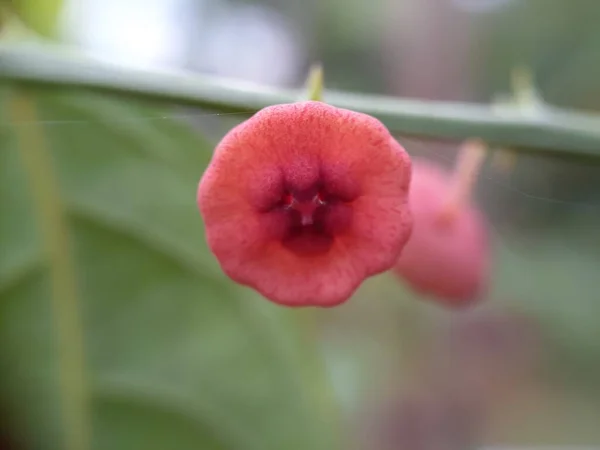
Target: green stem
37,163
549,131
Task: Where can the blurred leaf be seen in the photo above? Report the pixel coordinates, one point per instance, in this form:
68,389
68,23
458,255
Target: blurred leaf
539,447
41,16
557,39
175,352
557,281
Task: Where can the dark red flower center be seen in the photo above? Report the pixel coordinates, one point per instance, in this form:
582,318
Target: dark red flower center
314,217
303,210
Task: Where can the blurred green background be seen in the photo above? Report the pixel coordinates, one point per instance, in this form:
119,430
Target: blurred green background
177,356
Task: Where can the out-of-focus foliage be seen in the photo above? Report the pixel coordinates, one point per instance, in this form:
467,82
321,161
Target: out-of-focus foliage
42,16
177,356
561,291
558,39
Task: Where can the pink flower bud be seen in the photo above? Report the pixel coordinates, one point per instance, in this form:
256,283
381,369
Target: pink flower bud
447,255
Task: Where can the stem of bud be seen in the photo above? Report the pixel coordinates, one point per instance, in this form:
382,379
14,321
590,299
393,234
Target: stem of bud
471,156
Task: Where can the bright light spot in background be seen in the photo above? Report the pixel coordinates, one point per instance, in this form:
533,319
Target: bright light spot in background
251,43
141,33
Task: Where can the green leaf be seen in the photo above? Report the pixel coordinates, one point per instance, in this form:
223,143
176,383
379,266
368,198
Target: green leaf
560,289
40,15
174,352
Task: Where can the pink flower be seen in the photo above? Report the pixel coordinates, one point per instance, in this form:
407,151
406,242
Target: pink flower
447,255
303,201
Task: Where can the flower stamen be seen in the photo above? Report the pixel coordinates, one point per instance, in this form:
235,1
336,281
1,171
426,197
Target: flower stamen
306,208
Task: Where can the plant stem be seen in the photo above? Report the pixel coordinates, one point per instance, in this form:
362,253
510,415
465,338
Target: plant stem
37,164
548,131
